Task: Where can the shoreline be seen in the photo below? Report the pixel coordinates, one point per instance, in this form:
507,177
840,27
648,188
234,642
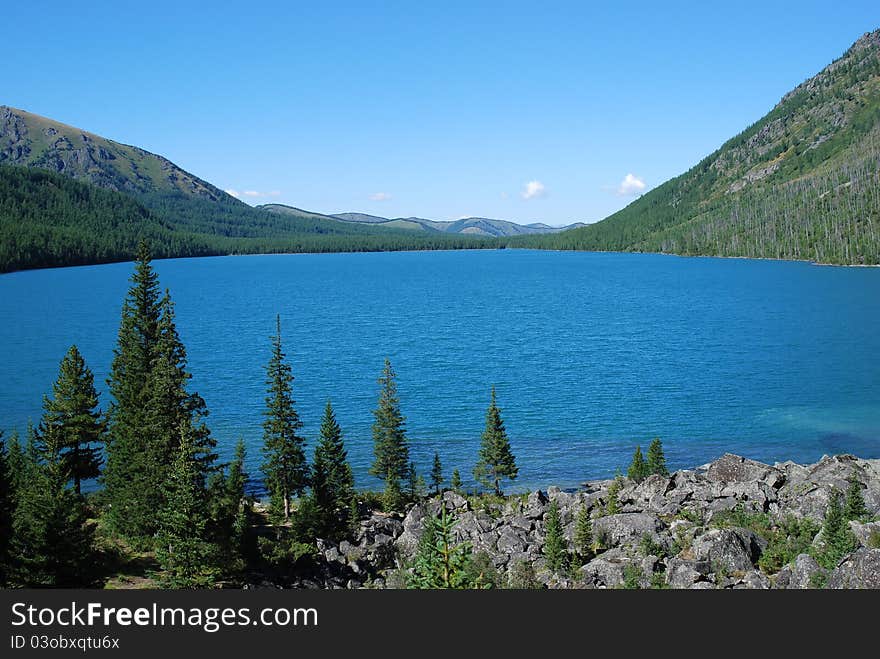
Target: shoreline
459,249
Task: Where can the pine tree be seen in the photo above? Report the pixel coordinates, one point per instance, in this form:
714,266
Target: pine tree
7,503
151,408
437,474
583,534
612,503
390,445
656,458
128,477
455,482
16,464
172,407
638,469
495,460
230,510
71,423
439,562
854,507
285,466
412,482
555,546
837,539
184,550
52,541
332,480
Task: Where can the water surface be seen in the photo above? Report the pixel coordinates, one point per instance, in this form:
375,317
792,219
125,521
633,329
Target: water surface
590,353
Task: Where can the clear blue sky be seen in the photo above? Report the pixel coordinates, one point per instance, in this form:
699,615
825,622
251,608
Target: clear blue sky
437,109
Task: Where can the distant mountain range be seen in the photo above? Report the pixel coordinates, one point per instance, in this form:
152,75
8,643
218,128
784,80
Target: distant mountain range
482,226
801,183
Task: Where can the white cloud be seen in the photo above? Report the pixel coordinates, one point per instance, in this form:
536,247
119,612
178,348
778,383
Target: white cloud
253,193
380,196
630,186
534,190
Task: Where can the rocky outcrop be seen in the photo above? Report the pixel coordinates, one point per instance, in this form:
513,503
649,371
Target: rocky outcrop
687,530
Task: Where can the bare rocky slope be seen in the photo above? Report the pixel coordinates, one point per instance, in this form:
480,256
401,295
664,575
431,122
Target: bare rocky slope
679,531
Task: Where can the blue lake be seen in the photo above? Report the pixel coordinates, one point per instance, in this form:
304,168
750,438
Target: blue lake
590,353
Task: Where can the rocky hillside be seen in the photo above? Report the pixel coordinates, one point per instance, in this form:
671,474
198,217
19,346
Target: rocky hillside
33,141
801,183
734,523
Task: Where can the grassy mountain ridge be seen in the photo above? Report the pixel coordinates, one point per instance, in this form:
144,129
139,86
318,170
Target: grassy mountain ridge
481,226
801,183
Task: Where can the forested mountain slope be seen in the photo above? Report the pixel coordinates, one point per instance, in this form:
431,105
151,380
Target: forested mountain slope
801,183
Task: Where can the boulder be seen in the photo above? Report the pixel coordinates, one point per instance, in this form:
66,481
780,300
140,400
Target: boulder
801,573
867,534
681,573
860,570
606,570
535,505
734,549
730,468
627,527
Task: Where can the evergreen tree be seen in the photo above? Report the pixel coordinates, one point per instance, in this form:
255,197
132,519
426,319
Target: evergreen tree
285,466
555,546
638,469
495,460
131,489
412,482
7,503
612,503
230,510
837,539
854,507
52,541
173,410
583,534
656,458
184,550
16,464
332,480
390,445
439,562
437,474
455,482
71,423
151,408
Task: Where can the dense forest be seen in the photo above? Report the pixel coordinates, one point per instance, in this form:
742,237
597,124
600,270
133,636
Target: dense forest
47,220
801,183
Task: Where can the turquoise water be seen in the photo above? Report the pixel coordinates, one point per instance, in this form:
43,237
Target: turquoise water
590,353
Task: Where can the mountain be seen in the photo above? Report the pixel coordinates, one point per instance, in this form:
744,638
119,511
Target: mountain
480,226
801,183
33,141
70,197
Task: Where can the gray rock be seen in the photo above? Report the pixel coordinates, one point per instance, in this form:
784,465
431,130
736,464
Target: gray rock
801,573
627,527
606,570
731,468
860,570
535,505
682,573
454,501
510,542
734,550
864,532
